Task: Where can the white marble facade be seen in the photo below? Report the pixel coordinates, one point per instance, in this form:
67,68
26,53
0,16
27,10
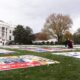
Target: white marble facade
6,33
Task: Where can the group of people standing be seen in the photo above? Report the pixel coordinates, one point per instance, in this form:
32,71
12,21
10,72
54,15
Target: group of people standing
69,43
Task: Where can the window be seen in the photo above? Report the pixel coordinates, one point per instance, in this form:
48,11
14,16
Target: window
6,29
9,37
10,31
3,28
6,32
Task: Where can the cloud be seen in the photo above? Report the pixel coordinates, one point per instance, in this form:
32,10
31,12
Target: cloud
35,12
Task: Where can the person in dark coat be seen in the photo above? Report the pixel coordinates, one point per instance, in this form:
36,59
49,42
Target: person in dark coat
70,43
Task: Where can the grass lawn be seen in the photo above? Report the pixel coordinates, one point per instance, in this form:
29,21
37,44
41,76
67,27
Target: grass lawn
67,69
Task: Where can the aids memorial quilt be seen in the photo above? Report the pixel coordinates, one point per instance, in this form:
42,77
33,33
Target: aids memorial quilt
3,51
24,61
70,54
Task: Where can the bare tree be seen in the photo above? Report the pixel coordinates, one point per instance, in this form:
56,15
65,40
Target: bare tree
57,25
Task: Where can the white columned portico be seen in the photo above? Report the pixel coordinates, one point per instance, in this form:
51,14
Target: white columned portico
6,33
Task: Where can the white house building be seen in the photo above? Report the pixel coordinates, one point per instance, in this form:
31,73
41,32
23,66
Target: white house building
6,33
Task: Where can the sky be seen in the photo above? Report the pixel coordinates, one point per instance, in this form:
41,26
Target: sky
33,13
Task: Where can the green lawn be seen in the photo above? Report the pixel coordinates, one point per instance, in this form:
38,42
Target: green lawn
67,69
